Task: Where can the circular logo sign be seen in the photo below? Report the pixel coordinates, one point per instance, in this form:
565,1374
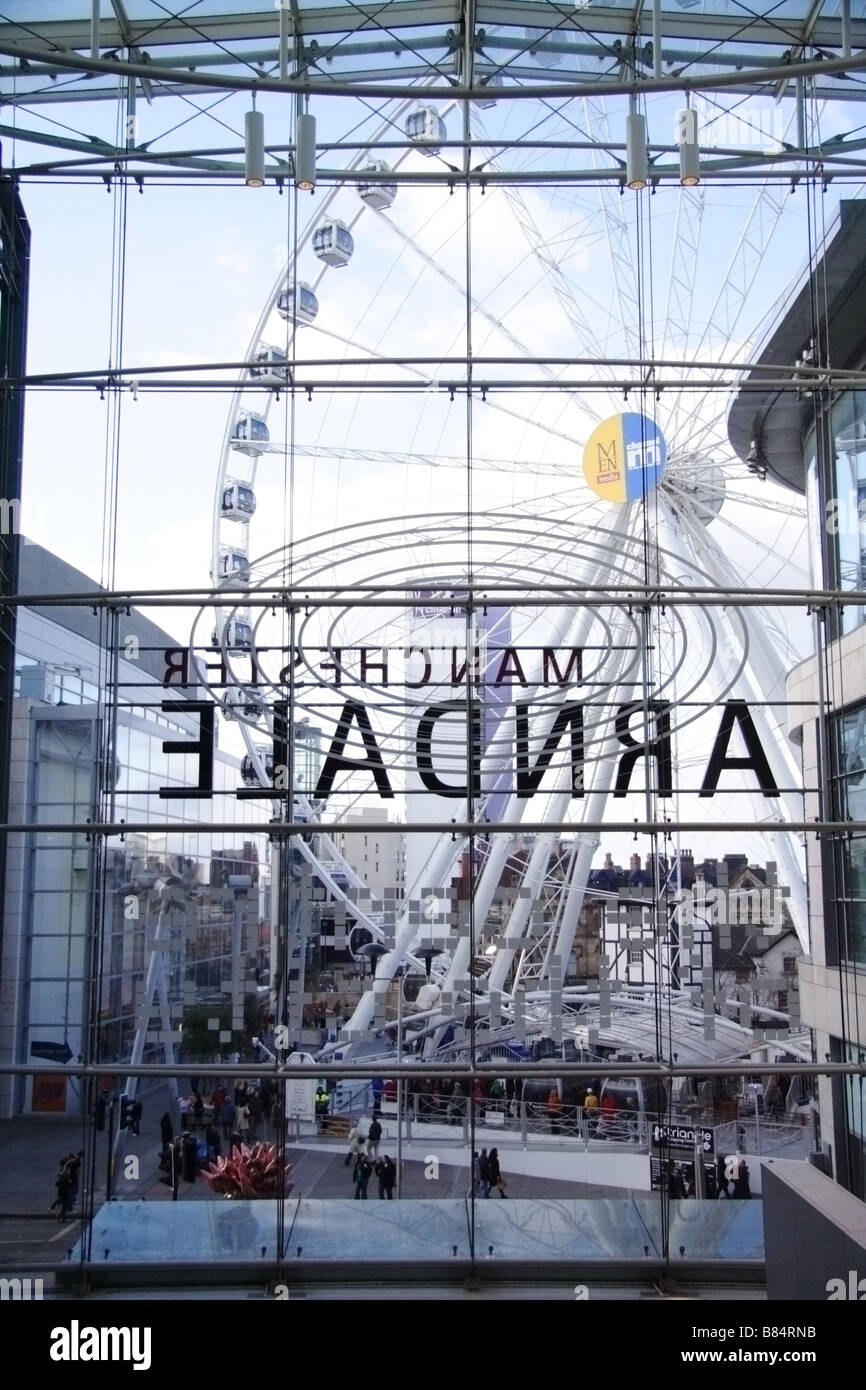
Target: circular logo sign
624,457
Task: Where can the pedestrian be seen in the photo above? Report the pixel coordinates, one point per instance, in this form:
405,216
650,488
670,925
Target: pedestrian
484,1173
741,1181
361,1176
376,1087
197,1111
374,1134
135,1112
721,1177
242,1121
457,1107
356,1144
495,1173
189,1157
227,1117
185,1107
254,1106
267,1097
62,1202
73,1170
386,1172
554,1109
590,1110
166,1131
475,1188
773,1102
212,1139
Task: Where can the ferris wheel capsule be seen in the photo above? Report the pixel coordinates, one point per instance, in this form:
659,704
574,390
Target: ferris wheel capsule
333,243
271,365
236,635
378,195
426,128
249,432
233,566
238,501
249,775
298,299
243,701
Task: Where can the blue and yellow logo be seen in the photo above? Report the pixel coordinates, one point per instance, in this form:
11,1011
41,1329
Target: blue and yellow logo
624,457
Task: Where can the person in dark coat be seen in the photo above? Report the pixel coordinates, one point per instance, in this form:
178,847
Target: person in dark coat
166,1131
361,1176
494,1172
386,1172
73,1170
484,1173
63,1201
135,1111
741,1181
214,1144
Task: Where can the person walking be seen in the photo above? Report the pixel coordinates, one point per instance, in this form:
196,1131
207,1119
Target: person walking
386,1172
166,1131
373,1136
212,1139
356,1143
242,1121
554,1109
73,1170
62,1202
590,1110
267,1097
227,1117
361,1176
323,1103
495,1172
484,1173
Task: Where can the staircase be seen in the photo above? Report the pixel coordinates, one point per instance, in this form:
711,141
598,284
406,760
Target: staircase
336,1126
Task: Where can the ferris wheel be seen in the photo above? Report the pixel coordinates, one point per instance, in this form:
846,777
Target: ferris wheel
355,479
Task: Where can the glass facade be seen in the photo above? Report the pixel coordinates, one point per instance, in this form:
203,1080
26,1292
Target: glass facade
406,855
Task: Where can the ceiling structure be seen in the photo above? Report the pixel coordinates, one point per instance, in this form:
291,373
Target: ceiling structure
91,51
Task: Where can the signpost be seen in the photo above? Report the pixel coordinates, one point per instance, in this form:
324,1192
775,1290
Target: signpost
300,1091
684,1165
51,1051
684,1137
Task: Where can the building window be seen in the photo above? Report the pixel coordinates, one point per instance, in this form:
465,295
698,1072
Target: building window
848,555
849,765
